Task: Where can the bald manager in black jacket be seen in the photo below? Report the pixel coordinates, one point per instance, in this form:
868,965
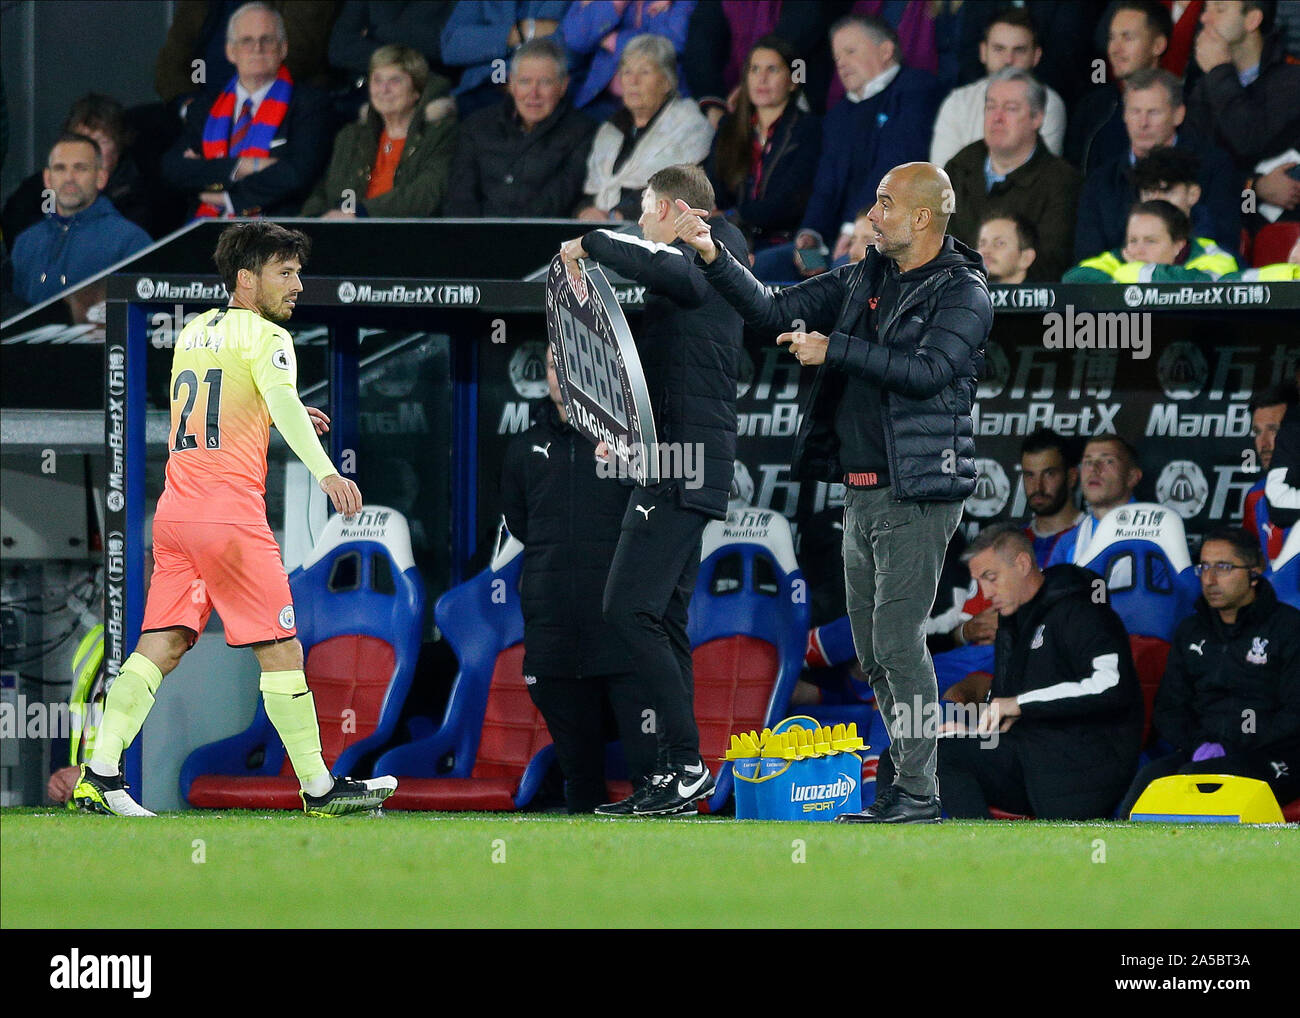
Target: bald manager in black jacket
689,342
889,416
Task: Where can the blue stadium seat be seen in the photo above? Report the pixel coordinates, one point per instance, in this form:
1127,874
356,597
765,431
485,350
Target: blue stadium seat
492,749
1140,550
748,628
359,602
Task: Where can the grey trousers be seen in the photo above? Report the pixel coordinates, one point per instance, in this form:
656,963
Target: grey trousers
893,552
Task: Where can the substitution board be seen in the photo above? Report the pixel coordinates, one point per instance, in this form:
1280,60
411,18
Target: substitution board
596,361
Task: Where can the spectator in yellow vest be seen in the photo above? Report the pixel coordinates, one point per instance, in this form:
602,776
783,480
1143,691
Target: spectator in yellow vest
1158,248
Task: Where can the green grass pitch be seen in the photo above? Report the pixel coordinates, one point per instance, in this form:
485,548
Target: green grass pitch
237,869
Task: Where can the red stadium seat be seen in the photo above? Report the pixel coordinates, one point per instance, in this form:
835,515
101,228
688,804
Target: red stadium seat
1273,243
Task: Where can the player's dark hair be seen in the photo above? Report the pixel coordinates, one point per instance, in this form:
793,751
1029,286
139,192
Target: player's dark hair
684,181
1130,450
1164,167
72,137
1006,538
1044,439
1157,14
251,245
1026,231
1243,543
1017,17
1175,220
1284,394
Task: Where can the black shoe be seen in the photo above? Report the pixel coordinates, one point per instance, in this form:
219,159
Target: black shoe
624,807
894,806
349,796
676,792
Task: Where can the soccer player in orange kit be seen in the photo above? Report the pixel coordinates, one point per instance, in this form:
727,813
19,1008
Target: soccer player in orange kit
233,375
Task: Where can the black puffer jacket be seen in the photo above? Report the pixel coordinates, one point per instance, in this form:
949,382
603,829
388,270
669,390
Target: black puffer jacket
689,342
568,519
1216,672
926,364
1067,660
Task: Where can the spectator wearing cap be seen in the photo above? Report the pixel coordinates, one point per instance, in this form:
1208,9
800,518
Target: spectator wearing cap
1009,41
257,146
1137,38
1154,119
1011,169
526,156
1158,249
395,159
82,234
654,128
1008,243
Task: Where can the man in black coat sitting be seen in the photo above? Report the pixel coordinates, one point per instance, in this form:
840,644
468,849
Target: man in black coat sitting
1060,736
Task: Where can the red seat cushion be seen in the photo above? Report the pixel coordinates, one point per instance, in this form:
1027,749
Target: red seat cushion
225,791
454,794
734,677
514,730
1149,656
1291,812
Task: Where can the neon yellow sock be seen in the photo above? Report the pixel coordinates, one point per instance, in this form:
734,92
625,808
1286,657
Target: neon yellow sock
128,703
292,709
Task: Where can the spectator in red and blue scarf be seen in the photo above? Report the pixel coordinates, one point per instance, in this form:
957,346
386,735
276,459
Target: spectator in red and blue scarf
256,147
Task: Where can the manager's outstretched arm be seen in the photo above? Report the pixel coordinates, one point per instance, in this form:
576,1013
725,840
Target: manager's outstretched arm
815,302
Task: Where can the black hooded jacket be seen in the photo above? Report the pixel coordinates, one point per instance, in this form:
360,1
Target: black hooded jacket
569,520
689,342
1216,673
925,357
1067,660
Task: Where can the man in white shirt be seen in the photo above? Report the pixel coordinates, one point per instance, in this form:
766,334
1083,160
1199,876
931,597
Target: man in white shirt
1009,41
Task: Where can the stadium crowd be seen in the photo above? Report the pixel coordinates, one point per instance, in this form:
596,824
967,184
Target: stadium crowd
1085,141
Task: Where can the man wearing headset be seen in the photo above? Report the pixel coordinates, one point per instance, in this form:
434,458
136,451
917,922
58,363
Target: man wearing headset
1229,702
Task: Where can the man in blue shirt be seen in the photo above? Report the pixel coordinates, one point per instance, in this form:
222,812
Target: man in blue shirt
81,234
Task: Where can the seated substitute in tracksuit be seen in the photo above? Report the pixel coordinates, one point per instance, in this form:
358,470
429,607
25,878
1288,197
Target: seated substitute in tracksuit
576,667
1064,723
1229,702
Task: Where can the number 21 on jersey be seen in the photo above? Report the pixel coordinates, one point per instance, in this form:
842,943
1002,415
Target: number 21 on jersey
187,382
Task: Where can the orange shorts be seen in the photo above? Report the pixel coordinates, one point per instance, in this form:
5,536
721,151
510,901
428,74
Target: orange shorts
234,567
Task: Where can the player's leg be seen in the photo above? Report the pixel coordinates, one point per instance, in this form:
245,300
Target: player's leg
176,611
246,581
655,547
